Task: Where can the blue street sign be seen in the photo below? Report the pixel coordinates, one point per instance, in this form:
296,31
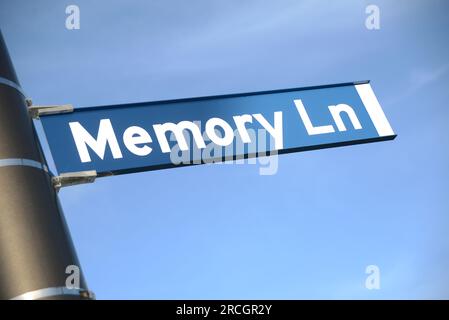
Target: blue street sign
163,134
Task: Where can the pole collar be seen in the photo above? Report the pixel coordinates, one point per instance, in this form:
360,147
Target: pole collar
54,292
12,84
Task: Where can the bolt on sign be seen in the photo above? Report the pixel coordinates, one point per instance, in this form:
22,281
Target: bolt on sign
142,136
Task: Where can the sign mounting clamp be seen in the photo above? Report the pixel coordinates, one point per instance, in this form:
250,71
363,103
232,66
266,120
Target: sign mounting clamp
74,178
37,111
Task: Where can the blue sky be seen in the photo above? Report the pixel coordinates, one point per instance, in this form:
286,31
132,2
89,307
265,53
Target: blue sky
224,231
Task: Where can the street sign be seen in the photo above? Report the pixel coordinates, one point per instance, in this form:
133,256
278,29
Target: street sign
163,134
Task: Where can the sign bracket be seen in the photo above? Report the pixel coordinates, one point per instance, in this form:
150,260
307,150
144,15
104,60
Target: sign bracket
73,178
37,111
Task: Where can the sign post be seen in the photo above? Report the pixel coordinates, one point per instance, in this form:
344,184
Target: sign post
37,256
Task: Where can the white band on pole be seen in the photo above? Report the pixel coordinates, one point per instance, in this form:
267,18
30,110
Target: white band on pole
23,162
55,291
12,84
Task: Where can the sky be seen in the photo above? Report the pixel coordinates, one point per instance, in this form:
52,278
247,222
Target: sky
310,230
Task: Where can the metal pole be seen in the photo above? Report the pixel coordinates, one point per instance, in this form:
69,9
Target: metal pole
35,245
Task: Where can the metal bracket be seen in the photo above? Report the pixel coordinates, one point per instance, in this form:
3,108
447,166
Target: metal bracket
73,178
37,111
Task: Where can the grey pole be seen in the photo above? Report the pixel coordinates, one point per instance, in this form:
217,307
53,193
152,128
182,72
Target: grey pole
36,251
